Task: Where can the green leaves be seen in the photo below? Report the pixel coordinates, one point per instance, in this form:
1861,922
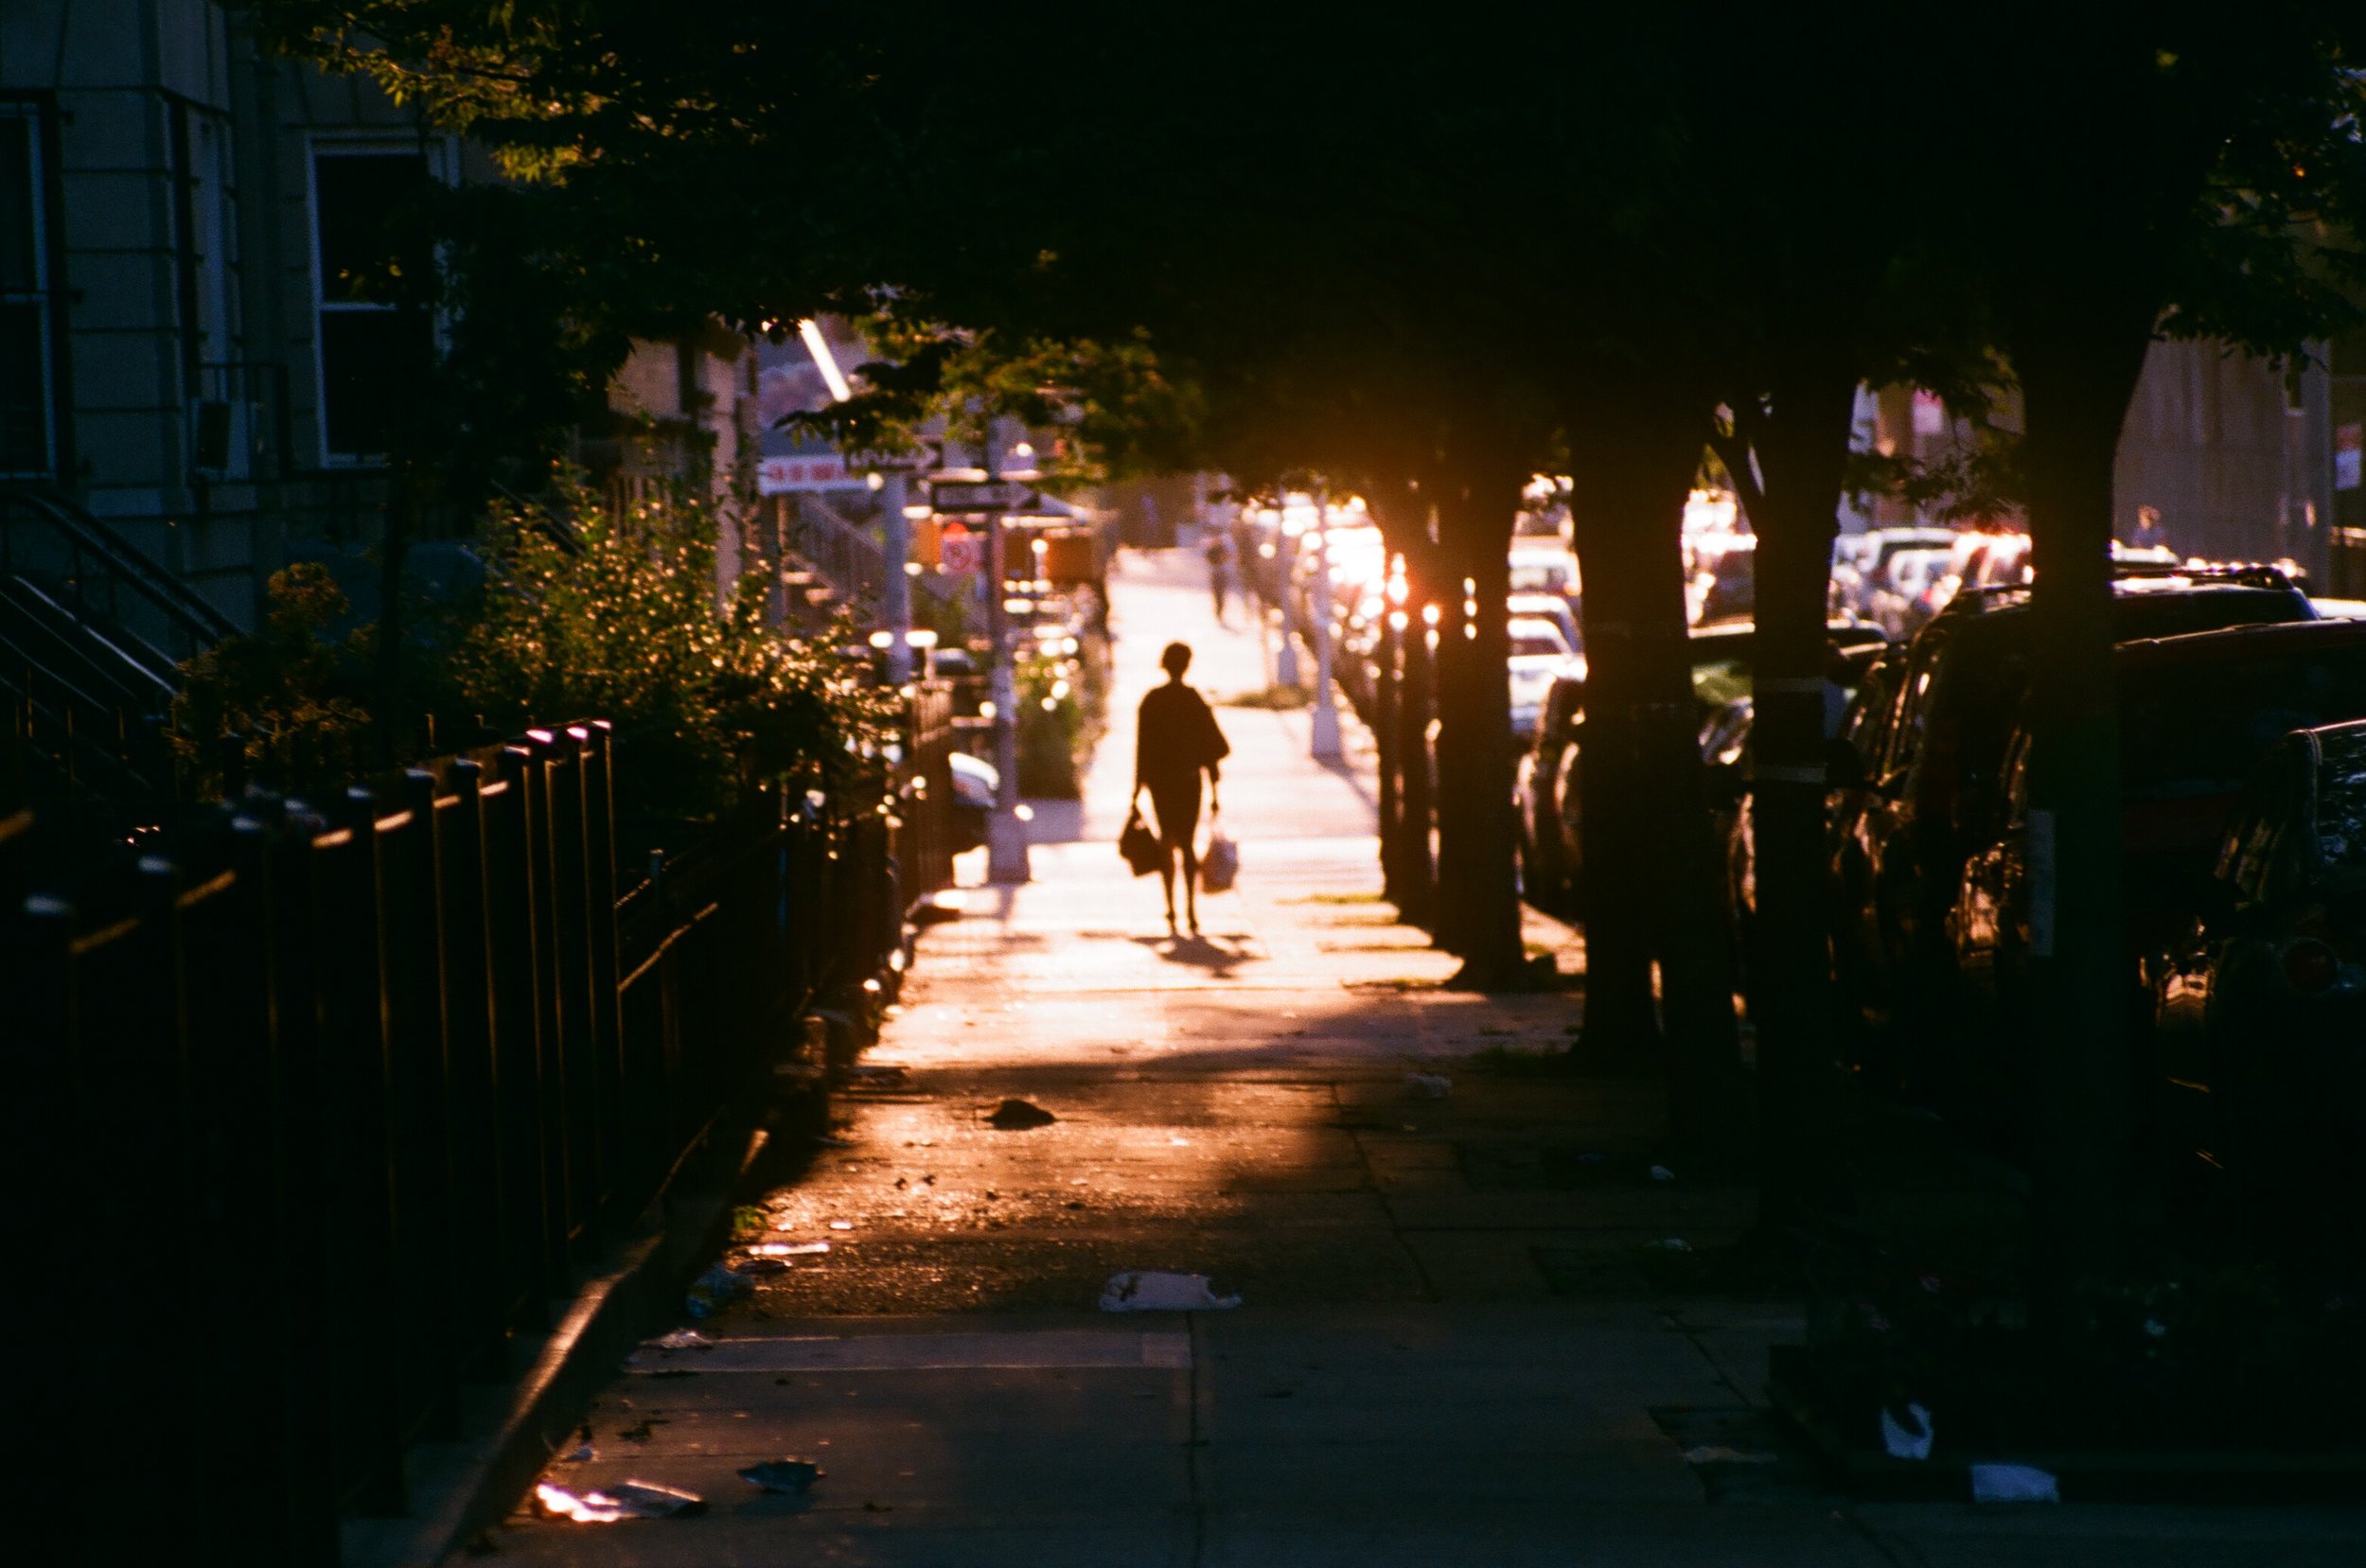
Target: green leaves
631,628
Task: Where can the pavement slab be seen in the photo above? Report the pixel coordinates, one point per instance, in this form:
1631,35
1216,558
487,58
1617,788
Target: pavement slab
1450,1349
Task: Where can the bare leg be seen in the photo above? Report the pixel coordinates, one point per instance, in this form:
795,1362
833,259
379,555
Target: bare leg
1190,887
1166,882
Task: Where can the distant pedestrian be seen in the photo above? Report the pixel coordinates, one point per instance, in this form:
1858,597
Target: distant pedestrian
1176,740
1219,554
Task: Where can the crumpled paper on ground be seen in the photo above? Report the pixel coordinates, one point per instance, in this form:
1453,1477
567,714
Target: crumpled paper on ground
1161,1291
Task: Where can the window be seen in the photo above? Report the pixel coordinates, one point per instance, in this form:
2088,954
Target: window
28,434
368,250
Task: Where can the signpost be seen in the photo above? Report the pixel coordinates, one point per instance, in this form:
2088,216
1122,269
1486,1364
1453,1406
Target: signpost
1006,833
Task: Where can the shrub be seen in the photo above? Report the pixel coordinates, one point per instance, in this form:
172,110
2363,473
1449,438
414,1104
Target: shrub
626,626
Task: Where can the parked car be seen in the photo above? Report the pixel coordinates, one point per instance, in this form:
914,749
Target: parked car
2260,1009
1535,652
1547,869
1725,747
1726,586
1548,607
1542,566
1548,780
1908,592
2196,714
1859,561
1985,560
975,786
1913,809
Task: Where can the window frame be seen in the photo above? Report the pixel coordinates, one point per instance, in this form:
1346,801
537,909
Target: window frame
38,112
440,154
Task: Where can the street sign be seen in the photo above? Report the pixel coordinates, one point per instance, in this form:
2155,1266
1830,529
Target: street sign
808,471
983,499
960,550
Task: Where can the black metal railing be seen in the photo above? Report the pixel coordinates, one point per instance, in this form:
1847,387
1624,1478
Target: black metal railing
318,1105
924,830
97,575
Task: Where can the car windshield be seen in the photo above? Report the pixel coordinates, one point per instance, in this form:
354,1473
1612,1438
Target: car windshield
1538,643
2200,728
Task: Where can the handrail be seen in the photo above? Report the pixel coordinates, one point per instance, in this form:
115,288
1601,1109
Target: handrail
843,549
170,598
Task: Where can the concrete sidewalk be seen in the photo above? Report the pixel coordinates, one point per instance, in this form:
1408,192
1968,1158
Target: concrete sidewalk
1448,1351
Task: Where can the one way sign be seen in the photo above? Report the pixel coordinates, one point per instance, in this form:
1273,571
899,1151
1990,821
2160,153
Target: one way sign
983,499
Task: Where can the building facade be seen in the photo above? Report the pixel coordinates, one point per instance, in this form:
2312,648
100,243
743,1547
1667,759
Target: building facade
182,352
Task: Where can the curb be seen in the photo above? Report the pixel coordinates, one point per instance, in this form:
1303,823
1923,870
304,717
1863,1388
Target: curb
460,1488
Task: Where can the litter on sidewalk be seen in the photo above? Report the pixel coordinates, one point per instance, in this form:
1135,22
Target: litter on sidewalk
1909,1438
1427,1086
789,1477
1161,1291
625,1499
715,1289
2013,1483
681,1339
788,1249
1018,1116
761,1263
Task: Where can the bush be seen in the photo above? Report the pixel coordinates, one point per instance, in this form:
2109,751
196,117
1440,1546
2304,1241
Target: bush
711,702
293,690
1063,709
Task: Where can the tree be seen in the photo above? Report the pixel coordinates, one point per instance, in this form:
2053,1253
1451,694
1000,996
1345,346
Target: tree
2218,183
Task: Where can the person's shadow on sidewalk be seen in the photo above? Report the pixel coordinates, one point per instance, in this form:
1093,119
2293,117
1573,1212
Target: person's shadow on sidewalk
1218,960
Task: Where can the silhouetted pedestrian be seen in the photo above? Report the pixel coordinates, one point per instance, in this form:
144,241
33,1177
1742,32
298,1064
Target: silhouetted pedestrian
1176,740
1219,554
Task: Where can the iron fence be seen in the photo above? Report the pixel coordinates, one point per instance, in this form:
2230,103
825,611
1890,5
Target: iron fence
318,1107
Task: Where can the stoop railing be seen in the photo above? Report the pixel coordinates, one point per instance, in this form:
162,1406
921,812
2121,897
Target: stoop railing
317,1106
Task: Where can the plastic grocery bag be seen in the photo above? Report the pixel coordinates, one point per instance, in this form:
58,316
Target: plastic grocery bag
1222,863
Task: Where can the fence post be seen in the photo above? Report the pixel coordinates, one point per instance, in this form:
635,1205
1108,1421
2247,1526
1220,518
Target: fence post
569,966
414,990
478,1303
364,1300
304,1103
595,769
525,1057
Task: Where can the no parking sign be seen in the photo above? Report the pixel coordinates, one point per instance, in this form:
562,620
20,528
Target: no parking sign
959,550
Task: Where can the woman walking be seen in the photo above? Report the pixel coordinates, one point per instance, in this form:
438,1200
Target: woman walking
1175,740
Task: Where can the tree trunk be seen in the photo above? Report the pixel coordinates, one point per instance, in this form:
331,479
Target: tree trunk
1386,675
2078,371
1477,521
1452,663
1647,887
1417,860
1803,450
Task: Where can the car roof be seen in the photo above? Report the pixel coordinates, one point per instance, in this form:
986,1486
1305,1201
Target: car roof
1847,633
2009,597
2202,648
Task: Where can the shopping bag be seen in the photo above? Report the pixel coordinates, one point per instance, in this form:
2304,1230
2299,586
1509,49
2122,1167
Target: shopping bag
1222,863
1139,844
